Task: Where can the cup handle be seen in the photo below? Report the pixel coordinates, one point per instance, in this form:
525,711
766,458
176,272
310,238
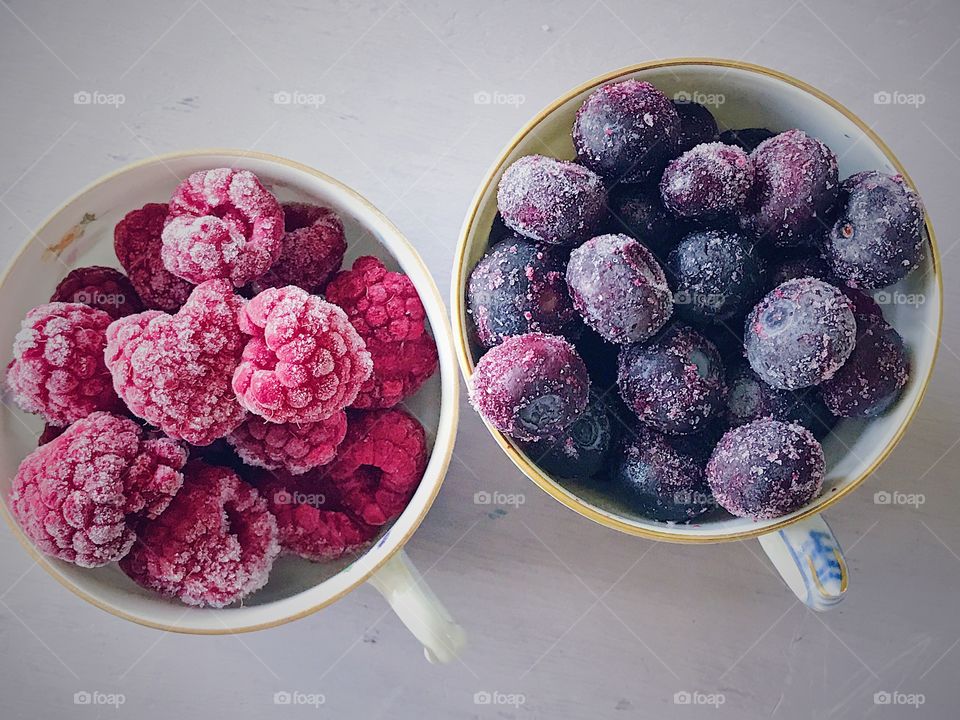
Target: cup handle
810,561
401,585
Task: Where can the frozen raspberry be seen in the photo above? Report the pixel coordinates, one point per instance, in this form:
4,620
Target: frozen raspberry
697,125
223,224
520,287
715,275
709,181
312,520
531,386
655,479
800,334
552,201
877,239
795,188
638,212
313,248
625,131
746,138
295,447
214,545
386,311
137,242
102,288
303,362
58,370
581,450
619,288
380,464
174,371
766,469
873,376
78,496
675,383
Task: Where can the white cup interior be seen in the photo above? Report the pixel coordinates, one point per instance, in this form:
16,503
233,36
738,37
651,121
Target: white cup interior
742,97
81,234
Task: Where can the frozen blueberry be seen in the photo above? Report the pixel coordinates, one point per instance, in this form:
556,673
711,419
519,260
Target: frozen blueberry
600,357
804,266
625,131
675,383
746,138
794,190
697,125
531,386
710,181
655,479
800,334
749,398
874,374
877,239
581,450
699,445
553,201
766,469
619,288
639,212
519,287
715,276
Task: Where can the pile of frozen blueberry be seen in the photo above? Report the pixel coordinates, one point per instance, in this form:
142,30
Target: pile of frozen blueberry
680,315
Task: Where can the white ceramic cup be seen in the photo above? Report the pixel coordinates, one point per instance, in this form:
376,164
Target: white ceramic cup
740,95
81,233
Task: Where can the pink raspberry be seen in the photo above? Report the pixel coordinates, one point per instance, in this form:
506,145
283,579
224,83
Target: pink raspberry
311,518
304,360
380,464
58,370
386,310
223,224
313,248
136,240
79,497
99,287
295,447
174,371
215,544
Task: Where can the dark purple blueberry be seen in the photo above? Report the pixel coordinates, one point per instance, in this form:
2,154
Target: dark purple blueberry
877,240
520,287
654,479
619,288
715,276
800,333
697,125
600,357
746,138
874,374
699,445
794,190
552,201
727,337
804,266
639,212
531,386
766,469
675,382
709,181
625,131
749,398
581,450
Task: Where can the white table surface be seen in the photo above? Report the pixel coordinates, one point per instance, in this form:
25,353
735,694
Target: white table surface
571,619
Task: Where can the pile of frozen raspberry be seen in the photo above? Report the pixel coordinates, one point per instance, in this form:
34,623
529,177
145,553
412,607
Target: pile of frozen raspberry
723,276
206,409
